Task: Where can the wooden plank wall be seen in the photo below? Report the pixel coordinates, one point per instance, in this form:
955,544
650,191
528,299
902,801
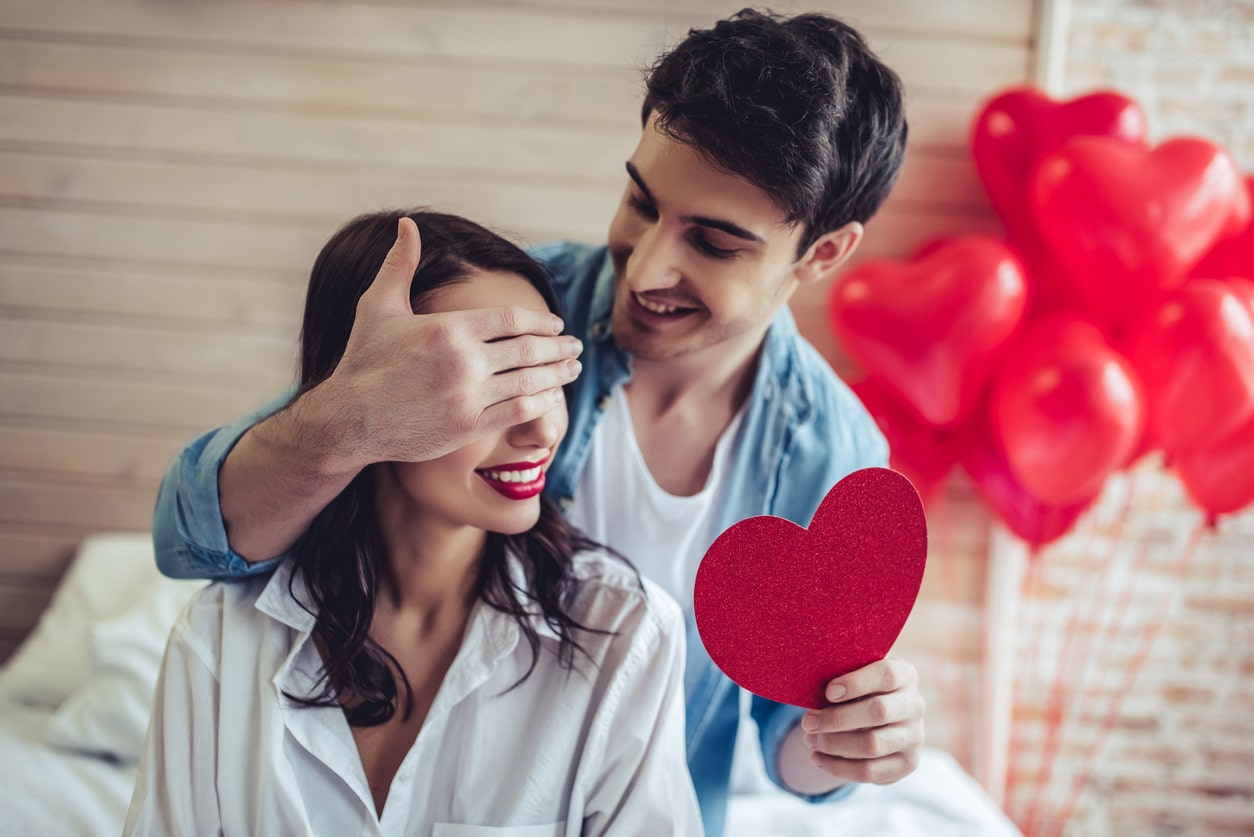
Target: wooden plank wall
169,169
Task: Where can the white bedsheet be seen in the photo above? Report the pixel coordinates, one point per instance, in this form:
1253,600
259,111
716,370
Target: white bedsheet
938,800
55,793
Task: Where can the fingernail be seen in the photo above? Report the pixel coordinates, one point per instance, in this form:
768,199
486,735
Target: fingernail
576,345
836,692
400,229
557,324
812,740
574,367
809,723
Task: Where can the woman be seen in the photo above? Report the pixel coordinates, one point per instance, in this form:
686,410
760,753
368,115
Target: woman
443,654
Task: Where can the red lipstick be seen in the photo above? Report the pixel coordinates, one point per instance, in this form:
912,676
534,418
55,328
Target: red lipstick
517,480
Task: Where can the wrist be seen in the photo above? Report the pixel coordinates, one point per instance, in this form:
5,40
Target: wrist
797,771
321,432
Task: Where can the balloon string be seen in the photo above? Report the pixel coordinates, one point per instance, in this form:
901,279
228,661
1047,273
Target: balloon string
1031,585
949,571
1074,657
1129,680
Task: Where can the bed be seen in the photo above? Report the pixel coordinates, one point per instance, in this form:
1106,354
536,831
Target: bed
75,696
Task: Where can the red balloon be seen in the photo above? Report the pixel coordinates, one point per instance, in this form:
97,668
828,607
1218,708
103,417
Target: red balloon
1031,519
1234,254
1243,289
920,451
1128,225
1195,355
932,328
1220,476
1067,408
1019,127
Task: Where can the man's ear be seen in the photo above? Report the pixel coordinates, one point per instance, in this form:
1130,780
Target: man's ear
825,256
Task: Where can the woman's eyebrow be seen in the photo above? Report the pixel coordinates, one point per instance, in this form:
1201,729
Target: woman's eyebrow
720,224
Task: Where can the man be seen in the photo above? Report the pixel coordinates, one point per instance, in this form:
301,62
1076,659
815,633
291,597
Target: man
767,143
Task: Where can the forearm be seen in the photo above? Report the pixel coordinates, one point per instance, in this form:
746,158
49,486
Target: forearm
797,769
283,472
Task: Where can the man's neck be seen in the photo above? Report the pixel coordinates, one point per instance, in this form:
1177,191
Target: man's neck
713,382
679,410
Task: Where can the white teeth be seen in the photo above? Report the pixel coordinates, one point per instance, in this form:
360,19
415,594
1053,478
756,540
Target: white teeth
655,307
529,475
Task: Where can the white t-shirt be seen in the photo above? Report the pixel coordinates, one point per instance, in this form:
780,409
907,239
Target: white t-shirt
595,751
618,503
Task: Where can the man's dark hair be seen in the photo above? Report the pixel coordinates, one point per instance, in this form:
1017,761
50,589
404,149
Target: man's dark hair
799,106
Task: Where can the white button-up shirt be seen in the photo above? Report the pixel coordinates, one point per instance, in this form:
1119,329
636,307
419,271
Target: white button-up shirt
597,750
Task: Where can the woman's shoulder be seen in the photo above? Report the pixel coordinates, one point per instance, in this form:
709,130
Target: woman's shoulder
613,596
220,609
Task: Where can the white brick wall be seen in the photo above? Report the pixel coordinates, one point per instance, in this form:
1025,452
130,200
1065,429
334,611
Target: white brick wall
1180,758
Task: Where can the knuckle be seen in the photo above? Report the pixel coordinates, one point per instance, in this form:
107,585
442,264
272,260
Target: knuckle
528,351
508,319
878,711
528,382
876,743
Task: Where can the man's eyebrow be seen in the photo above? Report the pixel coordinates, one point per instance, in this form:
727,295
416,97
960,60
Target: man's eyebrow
701,220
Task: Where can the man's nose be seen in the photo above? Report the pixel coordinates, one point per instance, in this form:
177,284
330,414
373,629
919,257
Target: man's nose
653,263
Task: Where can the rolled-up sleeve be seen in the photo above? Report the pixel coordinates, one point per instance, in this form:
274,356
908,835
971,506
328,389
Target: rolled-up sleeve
189,536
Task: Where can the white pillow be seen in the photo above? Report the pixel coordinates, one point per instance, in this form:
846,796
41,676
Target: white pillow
106,576
109,714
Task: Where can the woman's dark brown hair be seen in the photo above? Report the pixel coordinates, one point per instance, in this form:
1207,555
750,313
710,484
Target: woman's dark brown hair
341,556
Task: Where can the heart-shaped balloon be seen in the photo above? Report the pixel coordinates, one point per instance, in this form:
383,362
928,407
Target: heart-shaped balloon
1034,521
782,610
1067,408
1128,225
923,453
932,328
1195,355
1233,255
1220,476
1017,128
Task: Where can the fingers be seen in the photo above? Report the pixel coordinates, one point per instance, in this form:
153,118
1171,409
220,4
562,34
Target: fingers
877,678
502,323
874,711
506,356
519,410
392,283
873,743
530,380
880,771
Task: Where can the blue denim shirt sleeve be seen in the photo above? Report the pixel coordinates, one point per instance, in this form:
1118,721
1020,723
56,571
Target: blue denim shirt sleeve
187,529
775,721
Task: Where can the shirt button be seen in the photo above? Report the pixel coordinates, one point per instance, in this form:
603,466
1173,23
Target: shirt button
598,329
603,403
566,503
406,774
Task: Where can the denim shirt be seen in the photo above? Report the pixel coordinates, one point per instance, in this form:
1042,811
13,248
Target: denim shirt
803,431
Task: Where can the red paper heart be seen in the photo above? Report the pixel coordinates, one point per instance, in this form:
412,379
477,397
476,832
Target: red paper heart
932,328
782,610
1128,225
